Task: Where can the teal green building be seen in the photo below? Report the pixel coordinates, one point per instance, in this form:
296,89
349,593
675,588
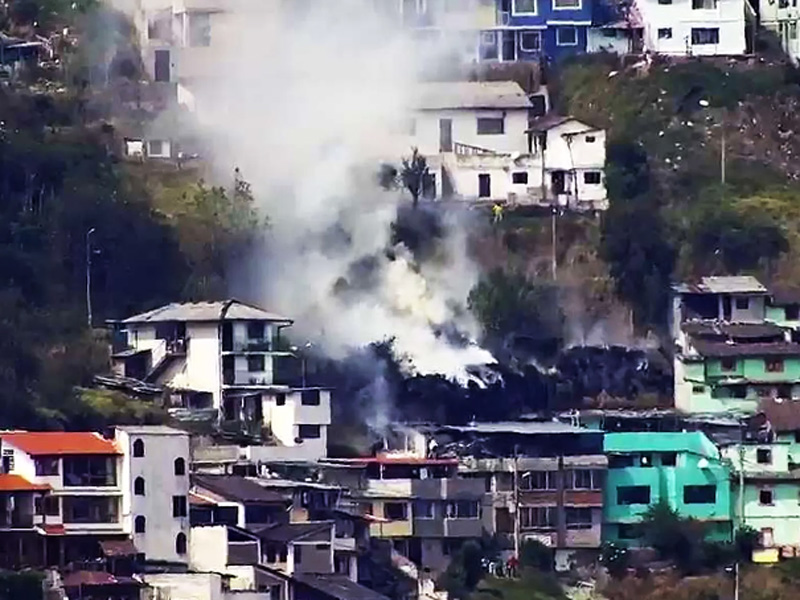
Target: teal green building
683,469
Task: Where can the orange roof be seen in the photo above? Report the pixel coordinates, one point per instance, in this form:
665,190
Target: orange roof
17,483
49,443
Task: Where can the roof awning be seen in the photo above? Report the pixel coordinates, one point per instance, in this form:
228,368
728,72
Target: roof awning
116,548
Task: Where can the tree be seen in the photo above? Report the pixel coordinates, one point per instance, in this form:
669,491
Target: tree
674,538
464,571
414,175
536,555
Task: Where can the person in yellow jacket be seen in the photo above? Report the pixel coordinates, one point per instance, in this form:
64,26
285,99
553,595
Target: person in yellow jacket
497,212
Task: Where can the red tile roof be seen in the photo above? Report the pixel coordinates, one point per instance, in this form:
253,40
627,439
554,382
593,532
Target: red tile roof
17,483
50,443
53,529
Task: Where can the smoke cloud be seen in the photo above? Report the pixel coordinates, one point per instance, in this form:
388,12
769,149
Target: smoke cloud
308,105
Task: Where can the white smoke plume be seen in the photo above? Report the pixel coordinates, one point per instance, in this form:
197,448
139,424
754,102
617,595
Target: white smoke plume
307,106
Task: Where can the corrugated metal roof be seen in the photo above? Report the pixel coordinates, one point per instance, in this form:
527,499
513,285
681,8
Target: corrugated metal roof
737,330
229,310
723,349
471,94
523,427
338,587
730,284
783,415
660,441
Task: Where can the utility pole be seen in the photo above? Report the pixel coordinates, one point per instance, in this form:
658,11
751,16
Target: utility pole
516,503
89,276
722,153
554,257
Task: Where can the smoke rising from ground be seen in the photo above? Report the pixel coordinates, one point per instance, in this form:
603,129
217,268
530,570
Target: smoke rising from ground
307,108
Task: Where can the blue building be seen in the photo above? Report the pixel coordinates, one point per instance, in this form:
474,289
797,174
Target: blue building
532,29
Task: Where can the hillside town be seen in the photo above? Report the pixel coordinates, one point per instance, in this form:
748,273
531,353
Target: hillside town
465,328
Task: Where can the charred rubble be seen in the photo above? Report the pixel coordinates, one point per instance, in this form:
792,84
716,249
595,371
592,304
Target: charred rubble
581,377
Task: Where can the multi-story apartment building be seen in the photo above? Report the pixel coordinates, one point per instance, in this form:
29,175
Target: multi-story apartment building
782,18
226,358
79,476
155,489
418,504
733,345
683,469
766,478
490,141
541,481
696,27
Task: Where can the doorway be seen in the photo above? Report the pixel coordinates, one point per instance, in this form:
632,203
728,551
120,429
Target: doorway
162,65
484,185
445,135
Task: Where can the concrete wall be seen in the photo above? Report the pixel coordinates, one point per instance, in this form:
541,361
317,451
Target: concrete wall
157,468
186,586
208,548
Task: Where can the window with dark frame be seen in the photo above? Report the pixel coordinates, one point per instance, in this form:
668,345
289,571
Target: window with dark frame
578,517
395,511
633,494
255,330
178,506
179,466
537,517
138,486
773,365
138,449
139,524
491,125
727,364
280,399
255,363
309,432
792,312
592,177
764,456
665,33
669,459
423,509
765,497
180,543
520,177
742,303
310,398
46,466
705,35
699,494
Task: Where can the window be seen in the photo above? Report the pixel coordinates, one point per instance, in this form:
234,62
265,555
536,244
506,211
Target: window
462,509
620,461
520,177
610,33
199,29
530,41
537,480
309,397
592,177
138,486
566,4
728,364
699,494
765,497
669,459
90,509
742,303
773,365
665,33
797,436
423,509
138,449
484,185
157,148
309,432
90,471
395,511
566,36
179,506
633,494
46,467
180,543
280,399
701,36
524,7
139,524
698,389
8,461
704,4
590,139
792,312
298,554
578,518
49,505
179,466
764,456
665,1
255,330
491,125
537,516
255,363
583,479
488,48
160,27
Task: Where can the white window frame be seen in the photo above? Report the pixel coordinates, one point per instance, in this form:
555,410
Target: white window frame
537,33
579,7
558,36
516,12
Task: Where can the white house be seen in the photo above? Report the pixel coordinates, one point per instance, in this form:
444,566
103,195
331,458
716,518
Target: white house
491,142
782,17
695,27
155,475
227,359
82,476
